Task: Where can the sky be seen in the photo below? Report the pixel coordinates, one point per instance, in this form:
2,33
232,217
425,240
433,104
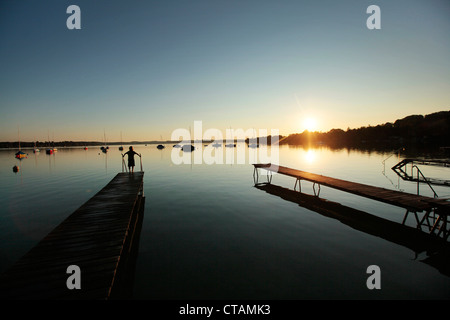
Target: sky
146,68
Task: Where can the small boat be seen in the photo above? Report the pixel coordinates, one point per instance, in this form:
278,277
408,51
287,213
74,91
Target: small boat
53,142
160,146
16,169
216,145
177,146
230,145
21,155
49,150
104,148
188,148
35,149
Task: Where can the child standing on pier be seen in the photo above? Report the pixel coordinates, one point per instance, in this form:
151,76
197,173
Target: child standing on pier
131,154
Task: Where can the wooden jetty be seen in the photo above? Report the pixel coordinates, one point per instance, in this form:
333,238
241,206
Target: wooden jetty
437,251
435,209
100,238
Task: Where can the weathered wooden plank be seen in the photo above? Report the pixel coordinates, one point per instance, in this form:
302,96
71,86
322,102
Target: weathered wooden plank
93,238
408,201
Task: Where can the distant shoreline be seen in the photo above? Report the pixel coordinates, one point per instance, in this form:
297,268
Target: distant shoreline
72,144
69,144
432,130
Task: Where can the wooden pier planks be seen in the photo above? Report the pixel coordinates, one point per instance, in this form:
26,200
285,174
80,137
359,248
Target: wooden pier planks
96,237
411,202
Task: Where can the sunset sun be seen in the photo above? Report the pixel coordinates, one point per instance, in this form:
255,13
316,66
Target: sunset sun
310,124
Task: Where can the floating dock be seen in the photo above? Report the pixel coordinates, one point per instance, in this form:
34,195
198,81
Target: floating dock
100,238
433,208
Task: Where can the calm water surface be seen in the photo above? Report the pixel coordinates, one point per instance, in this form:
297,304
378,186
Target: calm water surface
208,233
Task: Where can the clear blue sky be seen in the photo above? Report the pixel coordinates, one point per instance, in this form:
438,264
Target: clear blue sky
146,68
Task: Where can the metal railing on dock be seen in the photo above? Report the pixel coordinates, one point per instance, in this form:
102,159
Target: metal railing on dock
401,170
124,166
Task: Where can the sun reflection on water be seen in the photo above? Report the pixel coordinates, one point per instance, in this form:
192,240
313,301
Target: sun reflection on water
310,156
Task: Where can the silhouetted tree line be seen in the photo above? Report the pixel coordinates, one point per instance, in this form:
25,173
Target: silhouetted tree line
432,129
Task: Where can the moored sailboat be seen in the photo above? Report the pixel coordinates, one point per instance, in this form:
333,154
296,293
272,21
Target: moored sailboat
121,144
36,149
105,147
160,146
20,154
49,149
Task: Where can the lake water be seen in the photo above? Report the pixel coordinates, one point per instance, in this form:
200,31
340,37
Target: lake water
209,233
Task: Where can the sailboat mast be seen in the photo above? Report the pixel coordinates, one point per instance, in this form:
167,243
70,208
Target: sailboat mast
19,155
121,142
18,133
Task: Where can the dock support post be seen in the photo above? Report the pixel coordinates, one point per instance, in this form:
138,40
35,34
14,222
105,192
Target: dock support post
298,180
443,226
440,223
415,215
314,189
406,216
425,217
436,224
255,174
269,176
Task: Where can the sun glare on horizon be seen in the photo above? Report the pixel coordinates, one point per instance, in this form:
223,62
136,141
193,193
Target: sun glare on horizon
310,124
